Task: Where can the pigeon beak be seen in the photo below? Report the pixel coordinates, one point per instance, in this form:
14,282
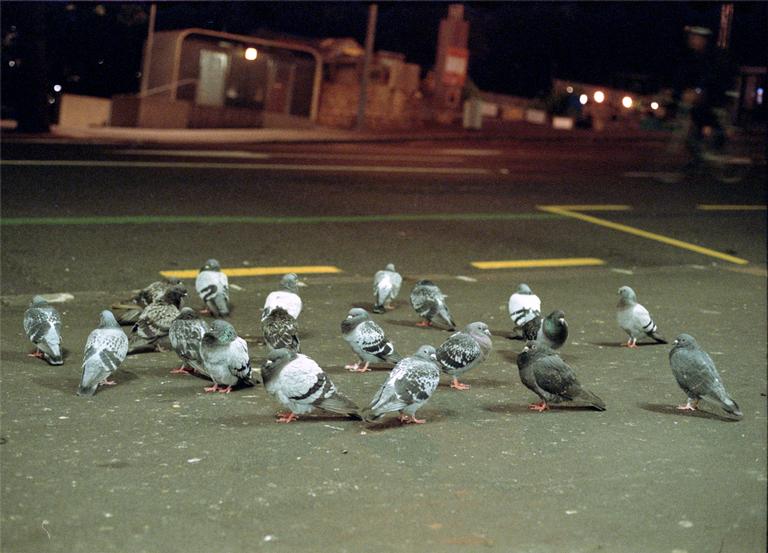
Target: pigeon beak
561,319
675,342
301,284
487,331
526,348
433,356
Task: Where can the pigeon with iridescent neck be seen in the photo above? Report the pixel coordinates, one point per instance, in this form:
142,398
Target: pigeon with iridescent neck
105,350
429,303
42,324
367,340
386,287
554,330
186,337
464,351
634,319
225,358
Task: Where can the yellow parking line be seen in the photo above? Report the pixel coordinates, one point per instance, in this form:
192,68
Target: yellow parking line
594,207
565,211
532,263
731,207
256,271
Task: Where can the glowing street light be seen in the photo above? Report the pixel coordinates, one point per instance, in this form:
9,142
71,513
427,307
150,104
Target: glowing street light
654,105
57,88
626,101
599,96
569,89
251,54
583,99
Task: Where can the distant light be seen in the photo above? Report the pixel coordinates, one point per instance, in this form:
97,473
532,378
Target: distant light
759,96
251,54
57,88
101,62
599,96
569,89
626,101
654,105
583,99
12,63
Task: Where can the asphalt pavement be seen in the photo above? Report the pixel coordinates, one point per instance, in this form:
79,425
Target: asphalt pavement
156,464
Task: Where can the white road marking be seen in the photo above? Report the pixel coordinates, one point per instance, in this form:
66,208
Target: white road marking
242,154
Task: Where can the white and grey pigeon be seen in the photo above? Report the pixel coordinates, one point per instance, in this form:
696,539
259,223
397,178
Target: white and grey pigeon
463,351
553,330
186,337
280,330
545,373
525,311
212,286
367,340
286,297
634,319
696,374
386,287
429,303
150,333
105,350
42,324
127,313
225,358
408,387
301,385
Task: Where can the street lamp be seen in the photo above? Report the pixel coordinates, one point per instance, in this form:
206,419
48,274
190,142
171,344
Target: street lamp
599,96
251,54
654,105
626,101
583,99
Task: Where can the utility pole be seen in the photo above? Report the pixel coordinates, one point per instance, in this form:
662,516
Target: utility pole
148,49
726,20
370,36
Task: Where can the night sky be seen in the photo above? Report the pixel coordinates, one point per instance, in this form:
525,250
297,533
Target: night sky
515,48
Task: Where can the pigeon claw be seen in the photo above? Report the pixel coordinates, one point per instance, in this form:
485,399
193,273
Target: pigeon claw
456,385
107,382
181,370
226,390
541,406
424,323
286,417
356,368
689,406
631,343
407,419
38,354
214,388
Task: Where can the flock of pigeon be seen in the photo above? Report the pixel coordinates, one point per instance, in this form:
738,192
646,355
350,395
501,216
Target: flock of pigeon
159,323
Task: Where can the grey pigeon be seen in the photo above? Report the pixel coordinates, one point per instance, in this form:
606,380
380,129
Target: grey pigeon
464,351
150,333
696,374
105,351
186,336
301,385
634,319
429,303
545,373
280,330
386,287
554,330
127,313
409,386
286,297
225,358
42,324
525,311
367,340
212,286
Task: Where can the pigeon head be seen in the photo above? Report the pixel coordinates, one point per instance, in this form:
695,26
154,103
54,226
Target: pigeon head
426,352
211,265
187,314
425,283
685,341
478,328
107,320
38,301
532,351
221,333
557,315
627,296
390,267
174,294
290,282
524,289
171,281
357,314
275,361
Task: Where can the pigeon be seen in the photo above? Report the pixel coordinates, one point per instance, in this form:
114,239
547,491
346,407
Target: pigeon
280,330
554,330
463,351
150,333
696,374
634,319
429,303
213,287
186,337
409,386
225,358
525,312
545,373
386,287
301,385
367,340
127,313
287,297
105,350
42,324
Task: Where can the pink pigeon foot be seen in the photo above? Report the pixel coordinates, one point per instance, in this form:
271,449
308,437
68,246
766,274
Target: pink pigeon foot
456,385
107,382
356,368
423,324
407,419
631,343
38,354
541,406
689,406
182,370
226,390
214,388
286,417
205,311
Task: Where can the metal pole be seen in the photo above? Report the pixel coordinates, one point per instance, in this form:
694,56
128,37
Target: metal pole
370,36
726,20
148,49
